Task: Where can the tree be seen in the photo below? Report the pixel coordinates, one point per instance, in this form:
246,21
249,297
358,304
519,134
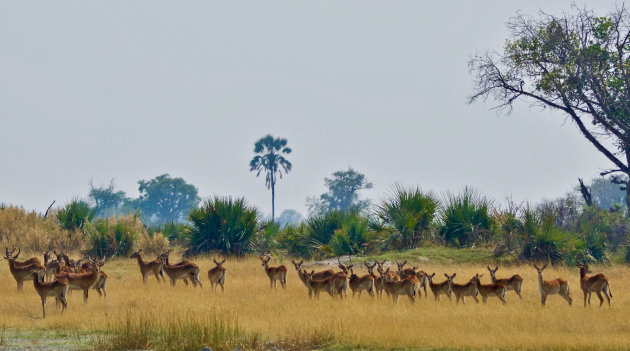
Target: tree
105,199
270,159
577,64
165,199
606,194
289,217
343,193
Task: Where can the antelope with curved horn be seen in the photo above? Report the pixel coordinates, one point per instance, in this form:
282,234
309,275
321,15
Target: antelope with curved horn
20,272
275,273
182,271
438,289
101,284
513,283
557,286
217,275
340,279
146,267
597,284
360,284
82,281
408,286
30,261
57,288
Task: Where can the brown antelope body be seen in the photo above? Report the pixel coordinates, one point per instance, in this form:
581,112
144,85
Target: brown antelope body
146,267
82,281
317,276
513,283
461,291
57,288
360,284
438,289
183,271
408,286
275,273
319,285
101,284
217,275
557,286
597,284
52,266
489,290
21,272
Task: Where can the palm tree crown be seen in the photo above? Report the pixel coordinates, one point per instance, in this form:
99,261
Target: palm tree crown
269,158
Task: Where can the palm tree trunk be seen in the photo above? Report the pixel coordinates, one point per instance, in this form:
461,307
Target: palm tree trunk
273,200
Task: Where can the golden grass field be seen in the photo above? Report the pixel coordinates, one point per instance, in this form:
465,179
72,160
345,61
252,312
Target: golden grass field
352,323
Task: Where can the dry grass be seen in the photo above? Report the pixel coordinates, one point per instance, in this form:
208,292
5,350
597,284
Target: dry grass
367,323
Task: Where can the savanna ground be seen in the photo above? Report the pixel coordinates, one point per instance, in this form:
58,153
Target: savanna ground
249,315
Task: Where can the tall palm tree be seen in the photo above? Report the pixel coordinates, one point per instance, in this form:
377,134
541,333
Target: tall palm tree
269,158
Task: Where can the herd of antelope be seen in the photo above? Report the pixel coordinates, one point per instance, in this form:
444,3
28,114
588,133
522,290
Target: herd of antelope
55,277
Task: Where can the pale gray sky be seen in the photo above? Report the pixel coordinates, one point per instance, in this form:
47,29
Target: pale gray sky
132,89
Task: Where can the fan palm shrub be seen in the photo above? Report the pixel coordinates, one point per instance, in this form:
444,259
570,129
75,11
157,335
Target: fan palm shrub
114,236
353,236
407,216
466,219
75,214
222,224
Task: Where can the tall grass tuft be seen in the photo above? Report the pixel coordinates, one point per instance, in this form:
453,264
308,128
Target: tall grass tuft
114,236
186,333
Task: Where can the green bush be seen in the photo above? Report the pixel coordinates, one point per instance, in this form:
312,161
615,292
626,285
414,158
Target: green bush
294,239
75,215
466,219
222,224
407,216
176,233
552,244
114,236
353,236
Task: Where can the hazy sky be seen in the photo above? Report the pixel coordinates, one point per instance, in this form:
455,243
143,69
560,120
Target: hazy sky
132,89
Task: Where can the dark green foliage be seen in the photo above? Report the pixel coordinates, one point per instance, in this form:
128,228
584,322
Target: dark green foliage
343,193
165,199
222,224
549,243
266,238
407,216
466,220
75,215
114,237
294,239
353,236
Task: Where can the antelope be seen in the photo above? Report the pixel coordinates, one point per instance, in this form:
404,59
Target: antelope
57,288
391,275
406,272
182,271
82,281
489,290
30,261
438,289
340,280
155,266
463,290
378,281
52,266
360,284
408,286
70,266
594,284
101,284
557,286
513,283
275,273
319,285
20,272
317,276
217,275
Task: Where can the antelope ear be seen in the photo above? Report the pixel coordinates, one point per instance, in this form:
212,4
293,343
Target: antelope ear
454,274
312,272
489,268
446,275
222,262
496,268
481,276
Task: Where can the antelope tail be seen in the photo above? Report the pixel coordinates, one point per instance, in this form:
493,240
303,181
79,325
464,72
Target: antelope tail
609,291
